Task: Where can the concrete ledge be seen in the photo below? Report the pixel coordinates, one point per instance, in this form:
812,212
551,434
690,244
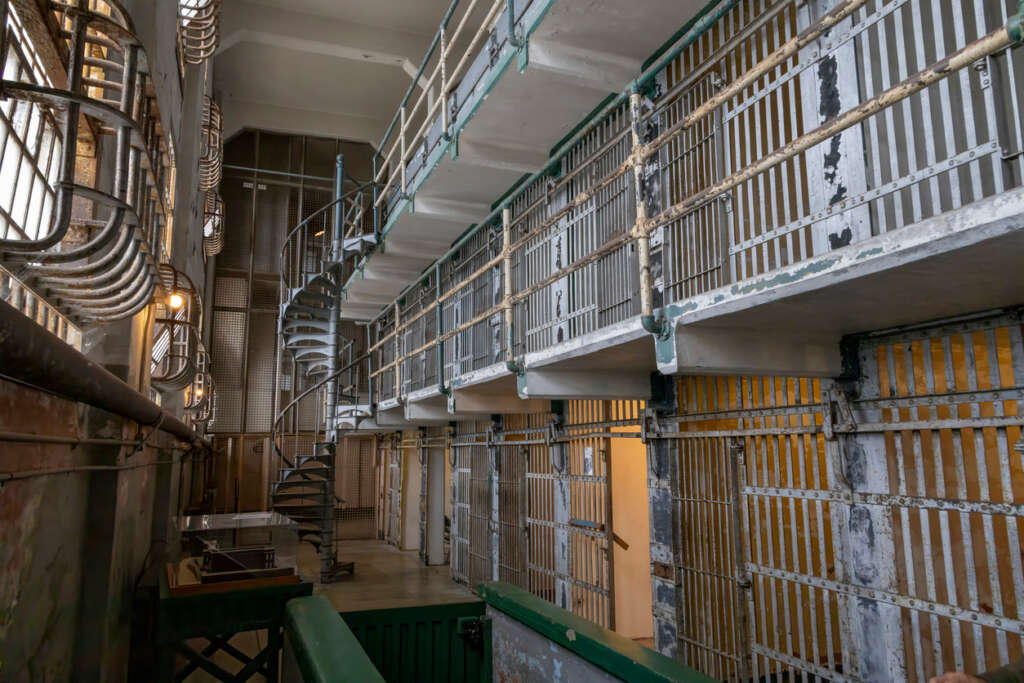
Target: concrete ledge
959,262
592,650
552,383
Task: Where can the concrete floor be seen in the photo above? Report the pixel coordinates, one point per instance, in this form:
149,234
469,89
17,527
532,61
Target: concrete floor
385,577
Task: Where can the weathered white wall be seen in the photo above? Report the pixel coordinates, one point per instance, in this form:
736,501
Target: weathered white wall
412,488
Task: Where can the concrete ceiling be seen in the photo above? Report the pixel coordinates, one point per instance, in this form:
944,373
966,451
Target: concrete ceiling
411,16
322,67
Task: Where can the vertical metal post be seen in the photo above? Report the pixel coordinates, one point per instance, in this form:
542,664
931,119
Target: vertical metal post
401,160
744,598
438,325
334,323
506,242
866,553
609,521
377,209
662,491
369,368
398,354
644,240
424,492
493,481
562,507
443,56
836,169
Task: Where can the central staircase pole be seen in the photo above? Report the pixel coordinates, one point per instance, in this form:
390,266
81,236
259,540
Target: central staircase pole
329,551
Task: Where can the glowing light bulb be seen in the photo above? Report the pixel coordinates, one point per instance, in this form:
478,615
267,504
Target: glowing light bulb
199,393
176,301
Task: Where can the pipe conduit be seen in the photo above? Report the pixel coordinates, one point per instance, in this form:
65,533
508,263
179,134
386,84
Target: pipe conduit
31,354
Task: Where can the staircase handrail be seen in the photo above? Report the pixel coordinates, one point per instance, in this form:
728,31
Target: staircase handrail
304,394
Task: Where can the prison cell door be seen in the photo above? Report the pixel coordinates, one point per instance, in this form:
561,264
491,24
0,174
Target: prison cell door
461,453
393,528
480,566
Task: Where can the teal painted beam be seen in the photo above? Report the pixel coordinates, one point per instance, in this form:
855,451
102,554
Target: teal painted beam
325,648
605,649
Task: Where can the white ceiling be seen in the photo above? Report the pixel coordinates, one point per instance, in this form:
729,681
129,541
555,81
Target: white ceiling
413,16
323,67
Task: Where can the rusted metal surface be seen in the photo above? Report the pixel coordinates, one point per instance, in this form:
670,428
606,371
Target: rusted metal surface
520,654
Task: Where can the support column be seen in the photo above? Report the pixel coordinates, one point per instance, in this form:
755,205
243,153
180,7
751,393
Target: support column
662,488
857,463
424,492
562,500
493,477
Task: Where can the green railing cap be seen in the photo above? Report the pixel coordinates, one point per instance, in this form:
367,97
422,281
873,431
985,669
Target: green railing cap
325,648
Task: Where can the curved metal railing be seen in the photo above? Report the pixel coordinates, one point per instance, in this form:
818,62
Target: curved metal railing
307,246
198,29
213,223
211,156
177,332
199,395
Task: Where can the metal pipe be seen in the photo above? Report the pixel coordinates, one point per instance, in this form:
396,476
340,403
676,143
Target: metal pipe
21,437
506,284
334,322
30,474
31,354
438,324
644,242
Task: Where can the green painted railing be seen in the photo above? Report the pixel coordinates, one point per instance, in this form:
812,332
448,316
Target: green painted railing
605,649
432,643
325,649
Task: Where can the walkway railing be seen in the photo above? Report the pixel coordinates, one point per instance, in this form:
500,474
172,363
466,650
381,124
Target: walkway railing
425,117
709,169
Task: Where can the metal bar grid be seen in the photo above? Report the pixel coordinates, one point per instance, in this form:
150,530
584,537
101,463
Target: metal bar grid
460,456
480,569
927,455
730,139
121,226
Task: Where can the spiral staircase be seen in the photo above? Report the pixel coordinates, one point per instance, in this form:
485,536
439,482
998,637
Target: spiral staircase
314,262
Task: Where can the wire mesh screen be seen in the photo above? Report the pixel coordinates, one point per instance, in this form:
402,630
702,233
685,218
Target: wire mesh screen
229,331
260,372
354,475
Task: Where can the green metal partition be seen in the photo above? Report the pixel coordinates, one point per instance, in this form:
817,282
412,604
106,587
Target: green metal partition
432,643
323,647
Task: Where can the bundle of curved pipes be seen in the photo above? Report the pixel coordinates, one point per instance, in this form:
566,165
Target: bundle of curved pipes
113,273
199,22
176,332
211,159
213,223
